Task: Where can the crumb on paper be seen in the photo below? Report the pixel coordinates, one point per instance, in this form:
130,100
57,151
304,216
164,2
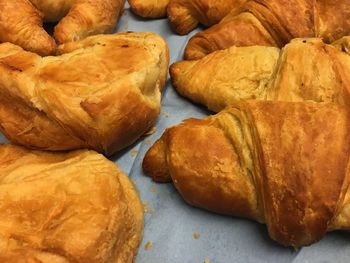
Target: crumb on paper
153,189
167,115
148,245
151,131
126,26
196,235
146,208
148,141
134,152
207,260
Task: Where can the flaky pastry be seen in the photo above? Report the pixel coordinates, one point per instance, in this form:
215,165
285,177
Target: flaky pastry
101,93
64,208
21,21
284,164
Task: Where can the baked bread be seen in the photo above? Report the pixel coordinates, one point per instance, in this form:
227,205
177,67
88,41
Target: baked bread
72,207
284,164
101,93
186,15
21,21
304,70
274,23
149,8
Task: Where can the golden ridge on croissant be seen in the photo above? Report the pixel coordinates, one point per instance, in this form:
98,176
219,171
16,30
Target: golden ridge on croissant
21,21
101,93
149,8
273,23
304,70
186,15
285,164
67,207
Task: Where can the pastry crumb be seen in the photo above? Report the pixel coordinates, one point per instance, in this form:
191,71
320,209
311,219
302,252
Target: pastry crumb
207,260
148,245
134,152
167,115
151,131
153,189
146,208
196,235
148,142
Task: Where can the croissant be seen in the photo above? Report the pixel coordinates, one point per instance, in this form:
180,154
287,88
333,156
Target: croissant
186,15
21,21
149,8
274,23
304,70
284,164
101,93
72,207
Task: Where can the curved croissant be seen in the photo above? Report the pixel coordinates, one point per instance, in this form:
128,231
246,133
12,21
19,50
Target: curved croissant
186,15
284,164
101,93
304,70
274,23
71,207
149,8
21,21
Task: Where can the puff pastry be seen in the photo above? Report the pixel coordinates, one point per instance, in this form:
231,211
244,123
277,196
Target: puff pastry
274,23
186,15
304,70
21,21
149,8
101,93
285,164
72,207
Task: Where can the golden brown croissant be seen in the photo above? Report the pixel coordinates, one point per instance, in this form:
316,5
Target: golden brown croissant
274,23
21,21
149,8
305,69
185,15
102,93
285,164
72,207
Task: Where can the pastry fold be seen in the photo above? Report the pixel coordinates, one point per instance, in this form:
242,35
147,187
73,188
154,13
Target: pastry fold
186,15
304,70
66,207
21,21
149,8
101,93
285,164
274,23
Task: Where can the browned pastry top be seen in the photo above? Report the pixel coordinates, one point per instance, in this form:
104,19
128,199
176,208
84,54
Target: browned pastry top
63,208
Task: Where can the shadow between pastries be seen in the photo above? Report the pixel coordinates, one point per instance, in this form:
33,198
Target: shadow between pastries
100,93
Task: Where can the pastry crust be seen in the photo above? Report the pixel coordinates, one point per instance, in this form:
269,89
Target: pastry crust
186,15
21,21
304,70
149,8
285,164
274,23
101,93
71,207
